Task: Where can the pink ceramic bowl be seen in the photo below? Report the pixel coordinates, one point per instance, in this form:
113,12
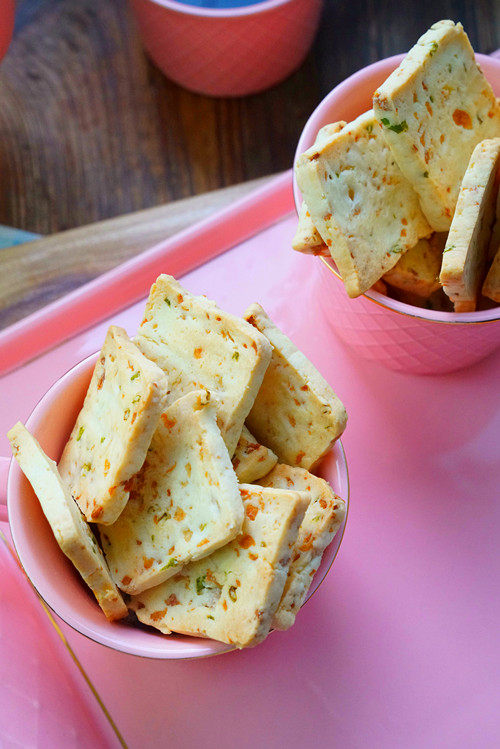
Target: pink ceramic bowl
53,575
227,52
398,335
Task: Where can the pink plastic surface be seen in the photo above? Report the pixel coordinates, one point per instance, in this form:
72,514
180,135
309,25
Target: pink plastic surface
230,52
399,647
400,336
45,701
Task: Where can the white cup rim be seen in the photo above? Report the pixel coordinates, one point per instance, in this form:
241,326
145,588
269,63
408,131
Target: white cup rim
235,12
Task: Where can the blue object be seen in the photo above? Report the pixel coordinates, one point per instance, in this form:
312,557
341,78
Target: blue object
219,4
10,236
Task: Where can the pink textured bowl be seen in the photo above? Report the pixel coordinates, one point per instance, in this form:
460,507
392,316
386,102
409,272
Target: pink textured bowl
398,335
52,574
230,51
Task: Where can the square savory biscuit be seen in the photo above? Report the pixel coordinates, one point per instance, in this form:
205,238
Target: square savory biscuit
307,238
183,504
71,532
418,269
296,413
466,253
233,594
200,346
361,204
113,430
323,518
435,108
251,460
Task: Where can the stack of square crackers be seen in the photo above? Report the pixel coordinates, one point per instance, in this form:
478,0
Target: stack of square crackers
185,493
405,197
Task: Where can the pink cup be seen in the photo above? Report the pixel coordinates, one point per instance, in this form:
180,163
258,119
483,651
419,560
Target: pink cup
231,51
7,10
53,575
398,335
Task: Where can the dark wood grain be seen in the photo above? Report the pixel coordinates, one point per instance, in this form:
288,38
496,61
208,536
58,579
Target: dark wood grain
89,129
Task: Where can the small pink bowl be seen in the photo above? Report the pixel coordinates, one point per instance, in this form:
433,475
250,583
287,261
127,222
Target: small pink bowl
398,335
230,51
53,575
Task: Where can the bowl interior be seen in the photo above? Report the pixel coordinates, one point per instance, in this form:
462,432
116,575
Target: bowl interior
234,11
347,101
53,575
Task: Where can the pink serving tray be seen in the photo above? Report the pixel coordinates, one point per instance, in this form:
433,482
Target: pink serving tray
44,698
399,647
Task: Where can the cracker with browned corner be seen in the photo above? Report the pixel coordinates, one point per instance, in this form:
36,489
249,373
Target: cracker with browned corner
251,460
111,436
232,595
184,503
435,108
296,413
323,518
201,346
70,530
363,207
418,269
466,253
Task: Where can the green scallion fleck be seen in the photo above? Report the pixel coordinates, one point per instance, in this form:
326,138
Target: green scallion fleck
236,355
209,616
167,300
426,174
80,432
136,375
171,563
126,414
397,127
200,584
232,593
434,46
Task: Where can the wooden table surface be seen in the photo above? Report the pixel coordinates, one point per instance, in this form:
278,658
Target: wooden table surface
90,130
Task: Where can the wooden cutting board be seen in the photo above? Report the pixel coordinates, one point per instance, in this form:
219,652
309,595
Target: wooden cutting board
38,272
